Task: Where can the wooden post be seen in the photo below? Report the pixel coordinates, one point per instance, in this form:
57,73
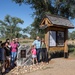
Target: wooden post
65,44
47,38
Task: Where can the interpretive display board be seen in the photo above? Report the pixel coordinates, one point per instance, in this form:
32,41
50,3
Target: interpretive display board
60,38
52,38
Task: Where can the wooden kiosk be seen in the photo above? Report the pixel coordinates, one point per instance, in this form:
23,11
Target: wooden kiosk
56,32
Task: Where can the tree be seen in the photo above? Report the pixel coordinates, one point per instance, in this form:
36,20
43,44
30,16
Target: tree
2,31
72,36
10,25
24,36
65,8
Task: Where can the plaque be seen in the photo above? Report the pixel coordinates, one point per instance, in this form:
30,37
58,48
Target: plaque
23,53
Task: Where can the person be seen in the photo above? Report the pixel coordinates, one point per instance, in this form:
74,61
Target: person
37,44
3,58
0,58
34,56
17,41
0,51
43,51
8,57
13,52
8,41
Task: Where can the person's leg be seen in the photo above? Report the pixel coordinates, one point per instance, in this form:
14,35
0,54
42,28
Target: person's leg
36,60
46,55
43,54
0,68
38,55
12,59
33,61
3,66
8,62
15,55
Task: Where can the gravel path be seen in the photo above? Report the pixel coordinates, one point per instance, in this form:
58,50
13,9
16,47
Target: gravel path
57,66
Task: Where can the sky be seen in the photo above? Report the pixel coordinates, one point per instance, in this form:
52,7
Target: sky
24,12
7,7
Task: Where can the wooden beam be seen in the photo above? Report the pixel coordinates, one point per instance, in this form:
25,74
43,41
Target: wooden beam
57,48
42,23
66,44
47,38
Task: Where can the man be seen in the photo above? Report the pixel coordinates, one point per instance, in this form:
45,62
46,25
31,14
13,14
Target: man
37,44
17,41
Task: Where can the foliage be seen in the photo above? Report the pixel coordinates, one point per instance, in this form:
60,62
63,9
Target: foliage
65,8
72,36
71,49
10,26
24,36
59,7
34,30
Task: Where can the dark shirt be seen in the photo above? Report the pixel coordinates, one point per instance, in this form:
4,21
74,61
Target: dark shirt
7,51
2,54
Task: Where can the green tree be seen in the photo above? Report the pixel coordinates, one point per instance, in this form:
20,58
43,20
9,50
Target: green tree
10,25
2,31
72,36
65,8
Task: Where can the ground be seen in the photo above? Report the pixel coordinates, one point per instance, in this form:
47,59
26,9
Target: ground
56,66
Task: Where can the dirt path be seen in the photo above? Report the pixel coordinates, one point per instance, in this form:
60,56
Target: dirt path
57,66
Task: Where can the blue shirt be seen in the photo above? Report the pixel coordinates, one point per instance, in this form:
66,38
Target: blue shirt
37,43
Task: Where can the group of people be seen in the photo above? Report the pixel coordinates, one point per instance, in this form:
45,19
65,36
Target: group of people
39,50
8,53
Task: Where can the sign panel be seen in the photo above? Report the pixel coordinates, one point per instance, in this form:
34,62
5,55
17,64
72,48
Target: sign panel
60,38
52,38
23,53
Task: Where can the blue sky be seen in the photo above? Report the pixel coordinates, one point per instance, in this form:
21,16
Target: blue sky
24,12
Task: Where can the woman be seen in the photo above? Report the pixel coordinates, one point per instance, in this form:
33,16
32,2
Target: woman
7,51
13,52
44,51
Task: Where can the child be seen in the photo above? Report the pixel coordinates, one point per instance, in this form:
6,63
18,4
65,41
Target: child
34,56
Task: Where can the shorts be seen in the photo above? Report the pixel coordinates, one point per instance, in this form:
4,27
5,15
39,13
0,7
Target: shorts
8,57
34,56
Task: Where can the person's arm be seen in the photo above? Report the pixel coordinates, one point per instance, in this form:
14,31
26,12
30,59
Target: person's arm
34,43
